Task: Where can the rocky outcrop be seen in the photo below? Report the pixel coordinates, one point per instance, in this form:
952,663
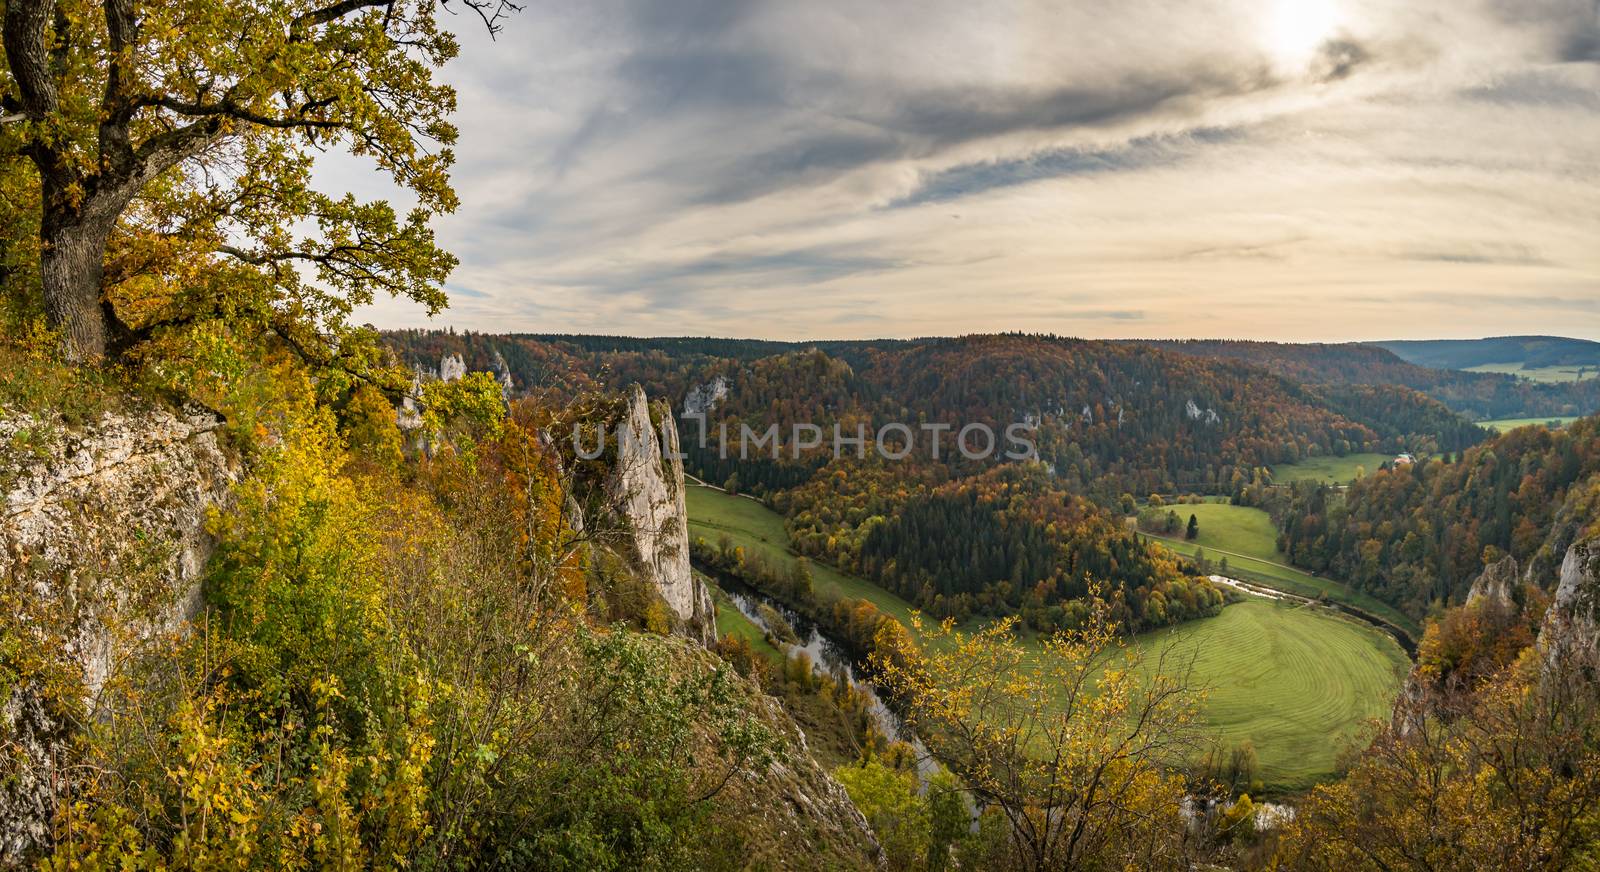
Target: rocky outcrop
1570,635
102,544
703,398
646,488
1497,584
793,813
502,375
1193,412
452,368
800,805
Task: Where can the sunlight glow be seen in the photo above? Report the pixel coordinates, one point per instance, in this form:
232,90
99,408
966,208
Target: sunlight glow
1297,28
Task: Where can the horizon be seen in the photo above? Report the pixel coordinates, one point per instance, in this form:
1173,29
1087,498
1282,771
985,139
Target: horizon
442,327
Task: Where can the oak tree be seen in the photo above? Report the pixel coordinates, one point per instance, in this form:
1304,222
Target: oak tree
174,142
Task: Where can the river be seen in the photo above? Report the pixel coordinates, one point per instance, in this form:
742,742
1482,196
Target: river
829,657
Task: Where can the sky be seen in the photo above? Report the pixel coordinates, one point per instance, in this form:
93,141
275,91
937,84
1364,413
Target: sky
1298,170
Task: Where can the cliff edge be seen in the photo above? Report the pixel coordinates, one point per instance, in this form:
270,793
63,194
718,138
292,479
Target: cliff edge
102,543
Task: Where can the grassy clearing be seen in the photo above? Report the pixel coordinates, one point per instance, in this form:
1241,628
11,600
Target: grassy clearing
1329,470
1236,529
1547,374
732,622
1247,537
1504,424
713,514
1298,682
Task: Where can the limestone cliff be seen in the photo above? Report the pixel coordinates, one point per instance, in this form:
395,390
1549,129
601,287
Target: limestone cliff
646,487
102,543
1571,630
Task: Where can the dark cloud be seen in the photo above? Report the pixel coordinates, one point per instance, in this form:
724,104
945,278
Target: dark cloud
1504,254
949,117
1140,153
807,160
1582,46
921,124
1338,58
684,284
1572,27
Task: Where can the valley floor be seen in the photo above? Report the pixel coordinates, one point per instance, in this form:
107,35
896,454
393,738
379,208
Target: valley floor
1300,683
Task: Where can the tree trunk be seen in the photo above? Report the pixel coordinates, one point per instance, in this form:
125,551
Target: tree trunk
72,267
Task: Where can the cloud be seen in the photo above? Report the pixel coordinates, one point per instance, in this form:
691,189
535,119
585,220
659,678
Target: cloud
797,170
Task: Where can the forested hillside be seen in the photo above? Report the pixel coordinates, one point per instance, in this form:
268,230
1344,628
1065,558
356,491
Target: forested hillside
1113,418
1476,395
1416,535
990,536
1531,352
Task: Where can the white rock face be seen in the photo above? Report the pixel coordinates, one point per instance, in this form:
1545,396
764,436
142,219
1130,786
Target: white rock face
647,485
703,398
451,367
502,374
1571,630
103,540
1195,413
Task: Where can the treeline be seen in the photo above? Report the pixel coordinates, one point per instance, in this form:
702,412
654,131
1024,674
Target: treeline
1111,417
1404,417
1117,418
1416,535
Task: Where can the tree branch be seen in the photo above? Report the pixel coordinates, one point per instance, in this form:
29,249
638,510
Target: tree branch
117,109
28,55
334,12
227,109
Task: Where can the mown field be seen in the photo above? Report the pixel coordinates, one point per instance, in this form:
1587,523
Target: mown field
1246,536
1503,424
1547,374
1329,470
1299,683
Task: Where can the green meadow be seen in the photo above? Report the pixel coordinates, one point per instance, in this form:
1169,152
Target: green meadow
1298,682
1329,469
1546,374
1246,536
1503,424
713,514
732,622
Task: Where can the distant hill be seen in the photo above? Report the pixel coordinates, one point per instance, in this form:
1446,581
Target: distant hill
1116,417
1531,352
1477,395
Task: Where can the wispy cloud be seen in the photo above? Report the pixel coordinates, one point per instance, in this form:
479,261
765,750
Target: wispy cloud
1154,166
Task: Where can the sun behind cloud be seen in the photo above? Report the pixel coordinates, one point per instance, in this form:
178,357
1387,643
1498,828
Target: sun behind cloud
1296,29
